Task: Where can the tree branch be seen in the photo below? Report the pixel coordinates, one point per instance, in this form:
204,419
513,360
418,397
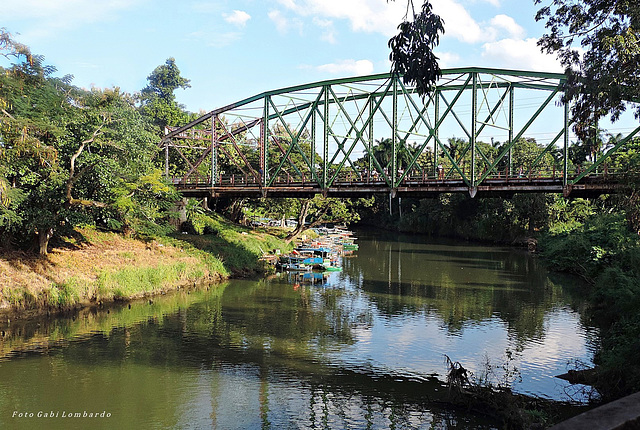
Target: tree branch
7,113
87,203
72,168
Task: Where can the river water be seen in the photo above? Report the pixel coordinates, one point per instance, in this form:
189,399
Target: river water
364,348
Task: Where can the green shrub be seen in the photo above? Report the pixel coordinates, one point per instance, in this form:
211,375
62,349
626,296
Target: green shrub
603,250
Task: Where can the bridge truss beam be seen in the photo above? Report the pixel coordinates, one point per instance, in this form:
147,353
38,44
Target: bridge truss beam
376,132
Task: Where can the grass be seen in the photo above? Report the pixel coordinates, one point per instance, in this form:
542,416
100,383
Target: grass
238,248
93,266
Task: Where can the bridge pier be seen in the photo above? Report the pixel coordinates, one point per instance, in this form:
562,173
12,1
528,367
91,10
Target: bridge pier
566,190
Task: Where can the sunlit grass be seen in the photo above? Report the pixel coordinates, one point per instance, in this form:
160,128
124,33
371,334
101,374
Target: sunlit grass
94,266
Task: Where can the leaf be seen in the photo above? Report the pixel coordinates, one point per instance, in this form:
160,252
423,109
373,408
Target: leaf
412,54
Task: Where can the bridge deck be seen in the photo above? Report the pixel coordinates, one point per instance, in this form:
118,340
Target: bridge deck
588,186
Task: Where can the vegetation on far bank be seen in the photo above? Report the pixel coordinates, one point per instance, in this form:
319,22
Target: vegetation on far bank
604,251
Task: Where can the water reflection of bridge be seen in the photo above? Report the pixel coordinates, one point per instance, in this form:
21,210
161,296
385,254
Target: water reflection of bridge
358,136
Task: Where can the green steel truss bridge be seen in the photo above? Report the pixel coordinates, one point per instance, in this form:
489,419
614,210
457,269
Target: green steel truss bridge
373,134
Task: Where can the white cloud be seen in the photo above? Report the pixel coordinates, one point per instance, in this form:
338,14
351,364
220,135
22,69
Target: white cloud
377,16
459,24
509,24
329,32
447,59
238,17
284,24
324,23
348,67
382,16
520,54
289,4
281,22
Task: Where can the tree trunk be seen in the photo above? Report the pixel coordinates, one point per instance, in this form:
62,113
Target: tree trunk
302,217
532,225
632,206
235,211
43,239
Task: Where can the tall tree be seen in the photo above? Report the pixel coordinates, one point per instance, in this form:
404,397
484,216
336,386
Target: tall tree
322,210
158,97
598,42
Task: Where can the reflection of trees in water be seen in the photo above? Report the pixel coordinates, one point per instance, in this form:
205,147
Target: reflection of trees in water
276,334
44,332
269,334
294,319
460,283
311,394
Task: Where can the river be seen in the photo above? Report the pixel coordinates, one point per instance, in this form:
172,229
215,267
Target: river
363,348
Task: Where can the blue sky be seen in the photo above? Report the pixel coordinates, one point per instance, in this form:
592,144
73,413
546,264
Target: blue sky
231,50
234,49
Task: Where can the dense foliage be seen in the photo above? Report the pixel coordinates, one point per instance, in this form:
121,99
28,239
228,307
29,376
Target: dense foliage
456,215
598,43
70,156
158,98
604,251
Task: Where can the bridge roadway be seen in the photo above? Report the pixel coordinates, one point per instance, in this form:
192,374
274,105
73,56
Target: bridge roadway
589,186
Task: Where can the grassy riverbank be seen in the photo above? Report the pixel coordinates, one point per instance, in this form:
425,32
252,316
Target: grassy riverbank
90,266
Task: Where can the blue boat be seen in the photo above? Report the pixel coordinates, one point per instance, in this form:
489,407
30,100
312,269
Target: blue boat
310,261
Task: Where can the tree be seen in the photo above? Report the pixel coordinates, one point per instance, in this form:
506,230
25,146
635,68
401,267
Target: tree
412,54
605,76
383,152
70,156
10,48
321,210
282,209
455,146
29,161
158,98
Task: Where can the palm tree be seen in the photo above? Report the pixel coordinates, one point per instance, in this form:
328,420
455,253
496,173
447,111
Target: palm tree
383,152
612,141
455,146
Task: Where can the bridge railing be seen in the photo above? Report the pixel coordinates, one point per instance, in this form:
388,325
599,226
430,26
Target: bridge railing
415,178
